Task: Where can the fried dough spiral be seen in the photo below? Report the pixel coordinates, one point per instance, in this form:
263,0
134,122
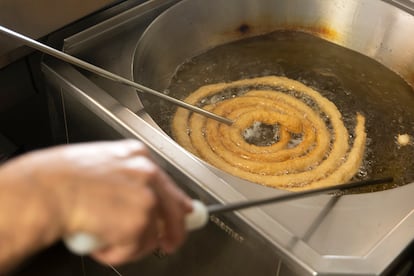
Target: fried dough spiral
321,157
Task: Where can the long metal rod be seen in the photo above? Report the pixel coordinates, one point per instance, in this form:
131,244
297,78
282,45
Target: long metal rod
219,208
106,74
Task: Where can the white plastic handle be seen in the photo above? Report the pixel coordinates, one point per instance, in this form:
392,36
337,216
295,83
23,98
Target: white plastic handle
198,217
82,243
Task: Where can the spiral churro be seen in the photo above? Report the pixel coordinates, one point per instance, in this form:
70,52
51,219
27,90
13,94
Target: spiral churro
321,157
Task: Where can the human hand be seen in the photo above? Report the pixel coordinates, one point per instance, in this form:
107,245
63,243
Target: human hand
114,191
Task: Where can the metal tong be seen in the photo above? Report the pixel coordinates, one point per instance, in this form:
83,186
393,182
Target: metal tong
84,243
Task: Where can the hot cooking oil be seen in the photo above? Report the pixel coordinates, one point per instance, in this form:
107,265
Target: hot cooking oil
354,82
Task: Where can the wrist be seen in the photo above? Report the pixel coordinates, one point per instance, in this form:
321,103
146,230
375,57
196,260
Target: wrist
47,177
29,218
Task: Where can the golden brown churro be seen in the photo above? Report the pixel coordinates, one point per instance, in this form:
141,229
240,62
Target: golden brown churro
321,157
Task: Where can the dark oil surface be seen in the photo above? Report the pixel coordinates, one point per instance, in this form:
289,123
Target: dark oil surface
354,82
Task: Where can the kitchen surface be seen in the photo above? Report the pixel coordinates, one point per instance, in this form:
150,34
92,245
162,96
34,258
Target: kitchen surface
357,55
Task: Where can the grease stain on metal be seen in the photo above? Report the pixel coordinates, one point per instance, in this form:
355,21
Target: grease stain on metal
243,28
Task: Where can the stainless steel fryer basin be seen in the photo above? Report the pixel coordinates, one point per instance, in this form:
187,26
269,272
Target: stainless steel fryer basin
184,48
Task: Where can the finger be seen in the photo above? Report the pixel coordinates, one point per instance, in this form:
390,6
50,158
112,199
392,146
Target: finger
174,205
149,239
116,255
144,244
141,244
